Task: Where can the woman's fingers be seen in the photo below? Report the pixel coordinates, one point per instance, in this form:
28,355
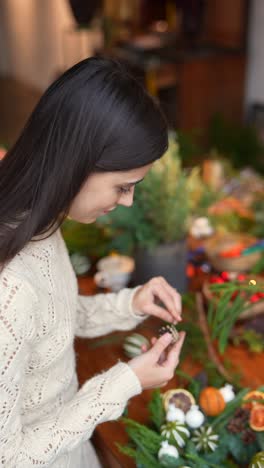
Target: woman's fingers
144,348
156,367
173,355
169,297
175,297
161,344
157,311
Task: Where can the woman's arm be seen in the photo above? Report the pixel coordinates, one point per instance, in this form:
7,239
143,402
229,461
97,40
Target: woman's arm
103,313
100,399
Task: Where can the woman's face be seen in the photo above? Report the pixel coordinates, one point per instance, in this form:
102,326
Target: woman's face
103,191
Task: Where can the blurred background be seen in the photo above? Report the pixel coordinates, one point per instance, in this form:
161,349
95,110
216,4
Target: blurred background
203,60
199,57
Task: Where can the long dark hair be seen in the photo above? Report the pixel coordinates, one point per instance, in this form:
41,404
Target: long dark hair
95,117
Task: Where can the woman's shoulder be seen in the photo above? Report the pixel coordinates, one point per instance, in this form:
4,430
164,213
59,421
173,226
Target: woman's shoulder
36,256
18,302
15,286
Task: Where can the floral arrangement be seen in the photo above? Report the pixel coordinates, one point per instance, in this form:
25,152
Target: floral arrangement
200,428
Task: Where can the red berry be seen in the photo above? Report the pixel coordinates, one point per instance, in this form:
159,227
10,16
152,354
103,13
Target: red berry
241,277
213,279
254,298
225,275
234,295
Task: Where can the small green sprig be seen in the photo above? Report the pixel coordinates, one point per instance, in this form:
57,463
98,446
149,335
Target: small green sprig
156,409
223,314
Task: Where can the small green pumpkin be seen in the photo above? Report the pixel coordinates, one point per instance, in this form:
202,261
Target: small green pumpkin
257,461
176,433
205,439
132,345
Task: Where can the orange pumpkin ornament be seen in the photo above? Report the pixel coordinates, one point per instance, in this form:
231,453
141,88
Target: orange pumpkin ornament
256,420
212,401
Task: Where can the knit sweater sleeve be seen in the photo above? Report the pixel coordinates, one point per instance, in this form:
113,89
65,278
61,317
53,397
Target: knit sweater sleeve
39,443
104,313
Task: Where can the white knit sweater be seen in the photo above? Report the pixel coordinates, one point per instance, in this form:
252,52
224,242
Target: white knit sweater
44,418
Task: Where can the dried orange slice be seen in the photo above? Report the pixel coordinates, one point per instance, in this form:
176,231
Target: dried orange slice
180,398
248,400
256,420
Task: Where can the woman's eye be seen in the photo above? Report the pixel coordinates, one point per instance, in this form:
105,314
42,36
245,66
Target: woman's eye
124,190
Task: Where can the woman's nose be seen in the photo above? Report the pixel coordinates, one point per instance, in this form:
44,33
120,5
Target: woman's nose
127,198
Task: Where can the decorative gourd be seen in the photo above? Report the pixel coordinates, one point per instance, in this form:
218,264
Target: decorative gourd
194,418
176,433
257,461
205,439
132,345
227,392
212,401
256,420
175,414
167,453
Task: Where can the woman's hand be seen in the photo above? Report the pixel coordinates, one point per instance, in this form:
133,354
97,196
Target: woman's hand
156,367
158,290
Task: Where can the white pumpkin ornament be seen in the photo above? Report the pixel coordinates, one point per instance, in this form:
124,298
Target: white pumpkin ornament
227,392
194,417
167,451
175,414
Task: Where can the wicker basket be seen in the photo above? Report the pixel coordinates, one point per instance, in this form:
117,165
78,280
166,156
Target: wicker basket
220,243
257,308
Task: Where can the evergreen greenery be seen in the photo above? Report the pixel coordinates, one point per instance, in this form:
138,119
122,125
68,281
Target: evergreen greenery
223,313
86,239
230,453
164,204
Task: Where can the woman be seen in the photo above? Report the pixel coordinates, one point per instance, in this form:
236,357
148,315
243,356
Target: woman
93,136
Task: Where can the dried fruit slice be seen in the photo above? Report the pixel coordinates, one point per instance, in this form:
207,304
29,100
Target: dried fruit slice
253,395
256,420
180,398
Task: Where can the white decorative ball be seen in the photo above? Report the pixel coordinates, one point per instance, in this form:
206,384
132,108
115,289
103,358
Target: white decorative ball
194,417
175,414
227,392
167,450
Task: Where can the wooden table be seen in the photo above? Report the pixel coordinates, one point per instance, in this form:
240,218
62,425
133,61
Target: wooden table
91,360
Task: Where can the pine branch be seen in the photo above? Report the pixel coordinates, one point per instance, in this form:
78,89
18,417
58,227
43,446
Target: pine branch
156,409
210,348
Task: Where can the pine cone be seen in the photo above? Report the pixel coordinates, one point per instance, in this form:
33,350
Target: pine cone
169,329
237,423
235,426
242,414
248,436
